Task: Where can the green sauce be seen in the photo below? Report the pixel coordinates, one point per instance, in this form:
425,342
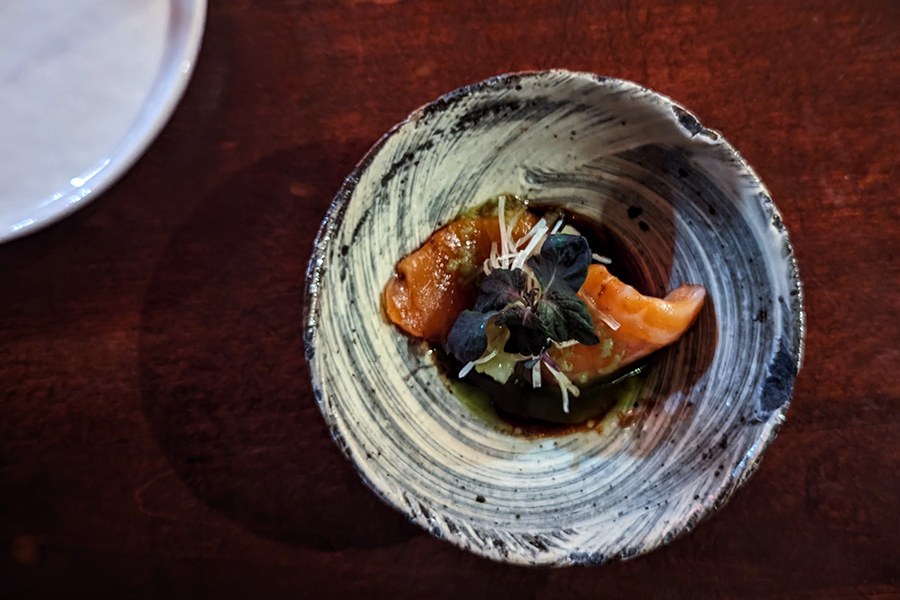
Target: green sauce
517,404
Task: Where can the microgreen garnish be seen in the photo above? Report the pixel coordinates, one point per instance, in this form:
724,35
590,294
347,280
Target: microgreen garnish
561,269
533,296
468,337
538,305
502,288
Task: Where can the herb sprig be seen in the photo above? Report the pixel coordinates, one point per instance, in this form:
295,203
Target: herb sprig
527,302
538,304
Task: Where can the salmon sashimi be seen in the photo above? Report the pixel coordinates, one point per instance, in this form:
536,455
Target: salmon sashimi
629,324
435,283
528,315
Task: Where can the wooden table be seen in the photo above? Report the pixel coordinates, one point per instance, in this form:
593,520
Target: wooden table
158,437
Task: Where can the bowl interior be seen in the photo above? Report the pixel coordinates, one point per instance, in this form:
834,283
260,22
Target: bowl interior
683,207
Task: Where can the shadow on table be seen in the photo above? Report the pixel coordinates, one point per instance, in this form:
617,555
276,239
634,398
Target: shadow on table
224,385
225,388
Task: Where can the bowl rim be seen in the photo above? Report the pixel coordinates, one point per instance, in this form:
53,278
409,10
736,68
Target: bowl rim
692,125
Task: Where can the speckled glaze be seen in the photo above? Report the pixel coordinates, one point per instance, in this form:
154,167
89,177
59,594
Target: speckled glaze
681,201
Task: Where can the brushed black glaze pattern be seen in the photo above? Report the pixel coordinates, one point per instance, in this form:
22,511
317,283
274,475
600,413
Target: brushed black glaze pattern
596,147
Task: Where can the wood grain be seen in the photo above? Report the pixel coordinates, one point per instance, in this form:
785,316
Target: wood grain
157,433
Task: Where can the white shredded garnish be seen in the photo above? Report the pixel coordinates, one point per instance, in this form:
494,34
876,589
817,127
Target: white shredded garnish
496,262
536,375
504,235
565,386
531,232
491,260
508,255
538,238
565,344
610,322
601,259
479,361
556,226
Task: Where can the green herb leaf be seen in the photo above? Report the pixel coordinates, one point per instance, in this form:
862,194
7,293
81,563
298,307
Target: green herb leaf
564,317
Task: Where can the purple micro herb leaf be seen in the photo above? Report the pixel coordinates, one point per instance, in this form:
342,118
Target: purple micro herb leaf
561,269
500,289
468,337
562,263
526,334
533,317
565,317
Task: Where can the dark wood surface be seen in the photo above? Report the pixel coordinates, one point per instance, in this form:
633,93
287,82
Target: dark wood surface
158,437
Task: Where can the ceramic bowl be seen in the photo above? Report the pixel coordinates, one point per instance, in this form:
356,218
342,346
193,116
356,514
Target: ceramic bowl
683,205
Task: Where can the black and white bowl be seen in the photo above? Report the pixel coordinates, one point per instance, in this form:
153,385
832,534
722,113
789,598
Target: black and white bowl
688,209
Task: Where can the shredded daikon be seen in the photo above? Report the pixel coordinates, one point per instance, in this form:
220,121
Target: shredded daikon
504,234
610,322
565,386
479,361
531,232
538,238
536,375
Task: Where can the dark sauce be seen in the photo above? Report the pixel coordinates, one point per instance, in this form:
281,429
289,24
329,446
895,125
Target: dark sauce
625,265
517,406
535,412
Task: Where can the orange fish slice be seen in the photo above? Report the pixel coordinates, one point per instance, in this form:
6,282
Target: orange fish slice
629,324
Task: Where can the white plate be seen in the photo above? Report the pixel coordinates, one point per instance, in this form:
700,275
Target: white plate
85,86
